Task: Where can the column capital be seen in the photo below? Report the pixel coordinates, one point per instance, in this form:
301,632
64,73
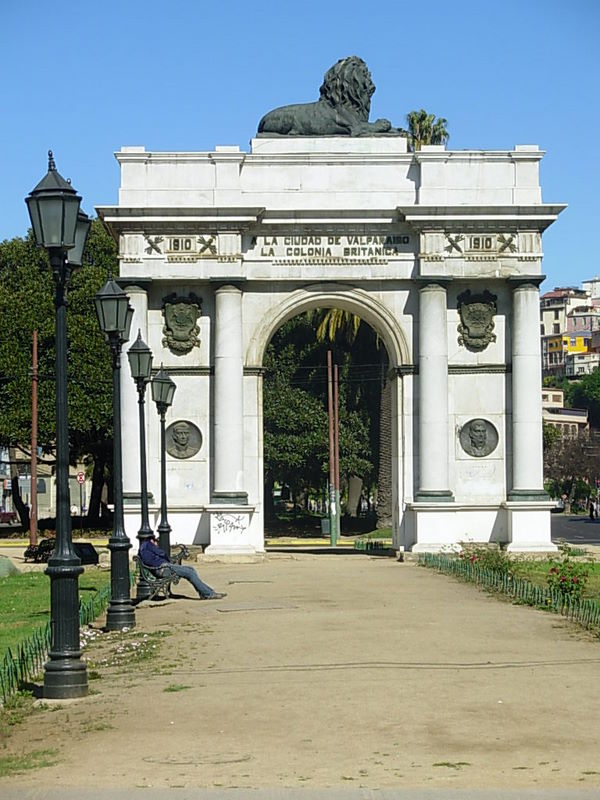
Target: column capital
227,284
139,284
525,281
433,281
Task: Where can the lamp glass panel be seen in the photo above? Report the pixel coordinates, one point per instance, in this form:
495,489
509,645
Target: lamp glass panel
106,312
170,392
36,222
82,229
71,211
128,321
51,216
122,302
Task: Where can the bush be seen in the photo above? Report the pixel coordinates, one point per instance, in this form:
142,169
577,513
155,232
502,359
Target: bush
566,576
487,557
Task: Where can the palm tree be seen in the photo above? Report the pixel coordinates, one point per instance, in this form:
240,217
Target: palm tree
423,128
335,323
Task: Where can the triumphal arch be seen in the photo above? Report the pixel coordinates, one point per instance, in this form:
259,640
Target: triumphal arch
439,250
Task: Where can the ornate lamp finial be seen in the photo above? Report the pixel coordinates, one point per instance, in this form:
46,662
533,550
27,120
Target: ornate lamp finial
51,164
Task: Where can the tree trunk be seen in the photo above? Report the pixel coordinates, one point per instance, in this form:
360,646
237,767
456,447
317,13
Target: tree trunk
268,500
354,493
384,474
17,501
97,486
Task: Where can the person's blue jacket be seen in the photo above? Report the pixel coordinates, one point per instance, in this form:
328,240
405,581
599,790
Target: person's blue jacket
151,554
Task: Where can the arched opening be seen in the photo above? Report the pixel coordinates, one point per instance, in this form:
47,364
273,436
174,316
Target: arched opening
291,348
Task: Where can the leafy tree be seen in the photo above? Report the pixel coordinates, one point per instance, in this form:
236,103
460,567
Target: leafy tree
359,343
551,434
586,394
572,464
295,421
423,128
26,304
296,442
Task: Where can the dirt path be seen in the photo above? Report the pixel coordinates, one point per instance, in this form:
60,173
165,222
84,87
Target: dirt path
328,671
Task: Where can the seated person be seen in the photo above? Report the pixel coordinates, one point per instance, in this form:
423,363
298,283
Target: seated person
158,561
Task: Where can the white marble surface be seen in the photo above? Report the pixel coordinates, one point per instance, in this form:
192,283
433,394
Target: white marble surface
363,225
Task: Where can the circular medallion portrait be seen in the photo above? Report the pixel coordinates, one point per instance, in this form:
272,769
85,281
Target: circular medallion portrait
478,438
184,439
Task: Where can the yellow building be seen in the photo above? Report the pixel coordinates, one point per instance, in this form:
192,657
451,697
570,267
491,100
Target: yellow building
556,348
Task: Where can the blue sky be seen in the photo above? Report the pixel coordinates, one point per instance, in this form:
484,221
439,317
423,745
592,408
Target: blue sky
85,79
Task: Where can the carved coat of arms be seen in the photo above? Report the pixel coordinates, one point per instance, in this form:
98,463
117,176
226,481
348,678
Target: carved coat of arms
476,328
180,329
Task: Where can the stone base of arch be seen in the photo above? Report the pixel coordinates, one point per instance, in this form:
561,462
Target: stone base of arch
437,527
230,530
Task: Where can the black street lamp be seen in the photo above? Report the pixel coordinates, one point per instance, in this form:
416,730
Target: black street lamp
140,362
61,228
163,389
115,315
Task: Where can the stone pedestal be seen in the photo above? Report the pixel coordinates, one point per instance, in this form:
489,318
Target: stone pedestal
229,530
529,528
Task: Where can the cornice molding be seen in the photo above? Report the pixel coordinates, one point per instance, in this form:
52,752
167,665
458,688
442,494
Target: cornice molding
486,219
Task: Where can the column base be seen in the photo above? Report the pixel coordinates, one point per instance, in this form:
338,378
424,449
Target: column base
434,496
528,495
230,498
529,527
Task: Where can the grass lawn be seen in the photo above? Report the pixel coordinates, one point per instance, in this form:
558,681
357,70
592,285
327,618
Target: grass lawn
537,572
25,602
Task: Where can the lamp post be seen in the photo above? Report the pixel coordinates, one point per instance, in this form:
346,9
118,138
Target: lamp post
61,228
163,389
114,316
140,362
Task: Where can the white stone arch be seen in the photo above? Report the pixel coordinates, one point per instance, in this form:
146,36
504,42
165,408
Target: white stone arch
331,295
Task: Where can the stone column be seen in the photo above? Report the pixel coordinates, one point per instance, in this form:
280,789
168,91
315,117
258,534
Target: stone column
433,395
138,299
528,509
228,431
527,453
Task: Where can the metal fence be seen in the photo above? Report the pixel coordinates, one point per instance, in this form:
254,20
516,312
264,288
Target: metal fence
372,544
22,666
583,612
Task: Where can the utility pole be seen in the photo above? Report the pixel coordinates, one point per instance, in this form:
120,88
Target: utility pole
333,506
34,387
336,453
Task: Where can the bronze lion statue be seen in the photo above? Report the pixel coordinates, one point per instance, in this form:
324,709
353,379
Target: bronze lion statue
341,110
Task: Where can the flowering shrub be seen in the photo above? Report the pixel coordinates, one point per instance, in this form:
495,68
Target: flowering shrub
487,557
568,577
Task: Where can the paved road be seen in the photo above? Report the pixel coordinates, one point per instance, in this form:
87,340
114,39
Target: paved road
326,676
301,794
576,529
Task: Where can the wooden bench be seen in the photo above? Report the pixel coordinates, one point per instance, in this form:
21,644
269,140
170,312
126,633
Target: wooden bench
160,584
